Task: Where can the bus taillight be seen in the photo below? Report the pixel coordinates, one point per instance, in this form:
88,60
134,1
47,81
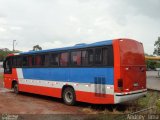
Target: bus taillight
120,84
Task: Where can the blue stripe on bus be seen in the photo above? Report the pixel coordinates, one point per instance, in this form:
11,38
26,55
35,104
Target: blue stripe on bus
101,43
79,75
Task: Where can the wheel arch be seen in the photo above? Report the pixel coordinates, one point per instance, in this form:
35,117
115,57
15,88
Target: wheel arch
14,82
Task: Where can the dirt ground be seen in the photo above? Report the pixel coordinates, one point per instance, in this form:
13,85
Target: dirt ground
25,103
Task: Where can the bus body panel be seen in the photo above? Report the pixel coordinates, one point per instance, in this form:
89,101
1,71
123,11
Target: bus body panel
82,96
41,90
78,75
8,78
117,73
81,79
129,68
133,68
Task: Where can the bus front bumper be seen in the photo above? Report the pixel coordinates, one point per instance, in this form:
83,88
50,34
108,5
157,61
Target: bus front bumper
129,96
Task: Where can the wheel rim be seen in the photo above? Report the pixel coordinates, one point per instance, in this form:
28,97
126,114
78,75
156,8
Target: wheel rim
68,96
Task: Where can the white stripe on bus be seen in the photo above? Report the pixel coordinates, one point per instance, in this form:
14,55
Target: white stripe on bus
86,87
19,73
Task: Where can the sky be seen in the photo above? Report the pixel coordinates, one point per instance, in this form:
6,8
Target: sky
59,23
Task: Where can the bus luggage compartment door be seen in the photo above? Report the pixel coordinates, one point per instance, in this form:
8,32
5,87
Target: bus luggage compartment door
100,89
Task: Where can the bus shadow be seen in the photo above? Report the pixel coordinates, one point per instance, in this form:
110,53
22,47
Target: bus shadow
40,97
95,107
104,107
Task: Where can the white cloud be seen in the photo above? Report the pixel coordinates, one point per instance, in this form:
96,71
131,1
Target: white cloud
58,23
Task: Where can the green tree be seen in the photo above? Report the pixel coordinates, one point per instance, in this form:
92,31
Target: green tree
4,52
37,47
157,47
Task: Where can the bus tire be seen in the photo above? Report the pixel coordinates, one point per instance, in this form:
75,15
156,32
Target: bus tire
15,88
69,96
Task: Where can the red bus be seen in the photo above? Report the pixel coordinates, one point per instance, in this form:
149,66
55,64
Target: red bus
105,72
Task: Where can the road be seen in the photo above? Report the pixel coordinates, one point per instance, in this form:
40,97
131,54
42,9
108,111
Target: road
153,81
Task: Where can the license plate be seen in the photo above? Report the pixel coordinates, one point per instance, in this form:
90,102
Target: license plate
135,84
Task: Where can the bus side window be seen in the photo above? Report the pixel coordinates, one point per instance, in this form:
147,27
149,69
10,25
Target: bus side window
110,56
14,62
25,61
54,60
19,61
42,60
98,56
84,58
105,56
90,56
76,58
46,60
38,61
64,59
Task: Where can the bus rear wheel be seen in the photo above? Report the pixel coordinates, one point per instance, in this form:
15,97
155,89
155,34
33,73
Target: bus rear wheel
15,88
69,96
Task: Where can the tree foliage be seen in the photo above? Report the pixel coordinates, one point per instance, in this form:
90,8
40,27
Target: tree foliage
4,52
157,47
151,64
37,47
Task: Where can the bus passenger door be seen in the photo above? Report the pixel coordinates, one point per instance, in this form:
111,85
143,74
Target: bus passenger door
7,65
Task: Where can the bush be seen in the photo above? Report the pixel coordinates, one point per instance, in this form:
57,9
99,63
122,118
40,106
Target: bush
158,105
157,65
151,64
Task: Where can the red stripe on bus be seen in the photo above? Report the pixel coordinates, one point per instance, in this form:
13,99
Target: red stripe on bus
80,95
55,92
94,98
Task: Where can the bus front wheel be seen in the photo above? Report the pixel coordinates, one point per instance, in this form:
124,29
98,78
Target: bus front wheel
15,88
69,96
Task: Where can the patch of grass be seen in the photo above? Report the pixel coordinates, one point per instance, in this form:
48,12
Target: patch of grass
152,99
89,111
1,76
158,105
144,101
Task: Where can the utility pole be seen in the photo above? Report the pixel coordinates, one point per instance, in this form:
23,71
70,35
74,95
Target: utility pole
14,44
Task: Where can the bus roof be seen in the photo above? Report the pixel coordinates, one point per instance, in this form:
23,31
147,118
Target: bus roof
77,46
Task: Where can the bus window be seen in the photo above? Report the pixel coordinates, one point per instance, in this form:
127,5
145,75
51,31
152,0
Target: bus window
18,61
8,66
43,60
54,60
64,59
105,56
110,56
25,61
98,56
14,60
46,59
84,58
38,60
76,58
90,56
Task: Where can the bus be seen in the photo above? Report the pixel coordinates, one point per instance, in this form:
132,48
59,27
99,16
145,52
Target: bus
105,72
